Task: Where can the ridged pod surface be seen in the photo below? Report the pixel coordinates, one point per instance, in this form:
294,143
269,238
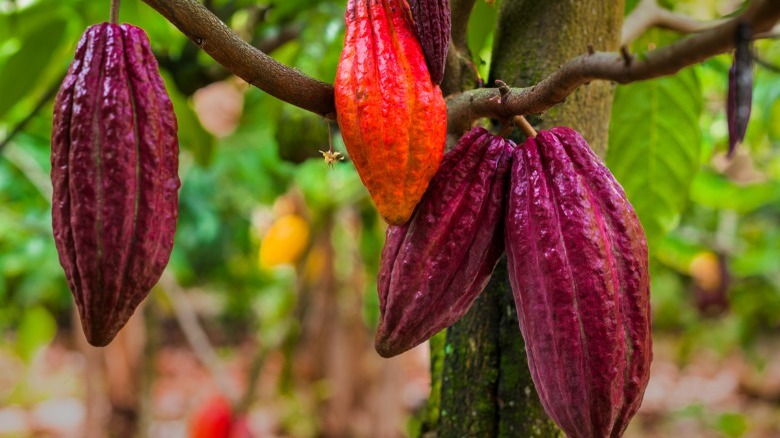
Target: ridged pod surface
435,266
392,117
114,174
578,266
432,21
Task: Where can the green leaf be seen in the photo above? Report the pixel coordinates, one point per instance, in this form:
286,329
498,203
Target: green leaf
36,329
654,146
716,191
731,425
20,73
481,28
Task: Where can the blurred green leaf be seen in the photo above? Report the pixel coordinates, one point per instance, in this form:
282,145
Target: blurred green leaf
20,73
731,425
325,188
36,329
654,146
718,192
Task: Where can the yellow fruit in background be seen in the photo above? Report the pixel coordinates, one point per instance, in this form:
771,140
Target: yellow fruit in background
284,242
705,270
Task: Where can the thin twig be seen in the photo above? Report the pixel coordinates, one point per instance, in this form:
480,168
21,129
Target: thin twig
196,336
648,14
50,93
253,375
31,169
766,64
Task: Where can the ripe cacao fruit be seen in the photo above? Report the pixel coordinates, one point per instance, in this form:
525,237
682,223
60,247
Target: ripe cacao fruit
392,117
432,21
740,95
578,267
114,174
216,419
435,266
284,242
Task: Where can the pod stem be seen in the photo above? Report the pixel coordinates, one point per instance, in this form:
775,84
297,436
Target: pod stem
114,17
524,126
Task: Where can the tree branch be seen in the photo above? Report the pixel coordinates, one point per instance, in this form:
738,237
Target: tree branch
488,102
247,62
298,89
648,14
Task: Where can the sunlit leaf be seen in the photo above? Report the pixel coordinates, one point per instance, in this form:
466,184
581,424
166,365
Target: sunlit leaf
36,329
718,192
20,73
654,146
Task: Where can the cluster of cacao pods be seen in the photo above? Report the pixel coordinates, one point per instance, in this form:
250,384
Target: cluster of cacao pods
576,251
114,175
578,267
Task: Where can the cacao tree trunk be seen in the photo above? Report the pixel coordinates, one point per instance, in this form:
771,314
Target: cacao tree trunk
482,385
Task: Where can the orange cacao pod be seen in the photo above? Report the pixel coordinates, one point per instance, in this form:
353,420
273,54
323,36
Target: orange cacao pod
114,173
392,117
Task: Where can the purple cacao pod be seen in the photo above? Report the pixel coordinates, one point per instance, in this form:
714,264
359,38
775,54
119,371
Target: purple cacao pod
578,266
435,265
432,22
740,93
114,173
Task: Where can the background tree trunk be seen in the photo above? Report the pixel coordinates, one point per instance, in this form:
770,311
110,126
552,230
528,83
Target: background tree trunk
485,385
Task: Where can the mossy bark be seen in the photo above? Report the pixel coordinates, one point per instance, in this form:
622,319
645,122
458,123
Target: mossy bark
534,37
485,385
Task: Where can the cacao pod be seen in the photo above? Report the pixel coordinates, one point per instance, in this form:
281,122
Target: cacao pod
432,21
392,117
217,419
435,266
740,95
578,267
114,173
284,242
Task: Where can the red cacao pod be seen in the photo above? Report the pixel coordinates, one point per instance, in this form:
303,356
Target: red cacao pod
392,117
216,419
114,174
578,266
432,22
433,267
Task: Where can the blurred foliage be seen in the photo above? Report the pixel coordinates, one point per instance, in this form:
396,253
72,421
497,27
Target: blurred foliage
668,139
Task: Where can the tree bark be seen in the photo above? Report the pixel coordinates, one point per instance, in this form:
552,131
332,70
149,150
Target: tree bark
534,38
486,387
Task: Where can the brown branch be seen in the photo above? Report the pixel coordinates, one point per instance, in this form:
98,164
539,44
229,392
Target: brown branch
485,102
648,14
247,62
294,87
